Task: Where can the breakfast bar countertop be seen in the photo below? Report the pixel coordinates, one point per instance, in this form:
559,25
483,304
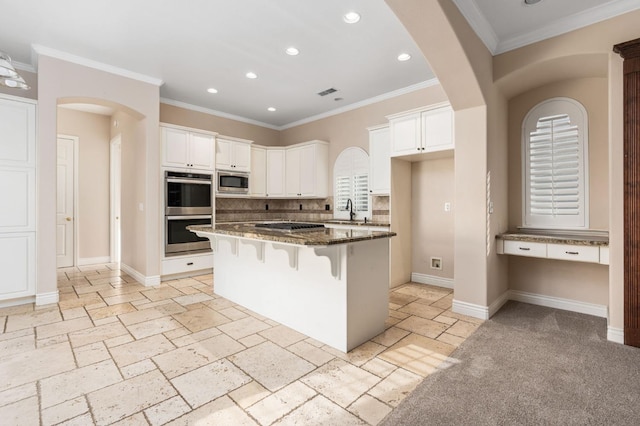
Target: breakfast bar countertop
312,237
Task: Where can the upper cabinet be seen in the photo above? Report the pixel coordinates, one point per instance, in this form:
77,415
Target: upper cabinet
258,180
307,170
233,154
379,160
275,172
183,148
421,131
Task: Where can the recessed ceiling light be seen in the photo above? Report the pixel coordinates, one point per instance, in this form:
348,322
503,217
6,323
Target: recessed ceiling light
351,17
252,75
212,90
292,51
531,1
404,57
271,109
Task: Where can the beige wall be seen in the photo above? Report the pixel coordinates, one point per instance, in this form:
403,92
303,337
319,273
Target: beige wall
59,80
93,133
224,126
432,185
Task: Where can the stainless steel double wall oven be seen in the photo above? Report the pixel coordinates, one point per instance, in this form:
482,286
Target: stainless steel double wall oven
188,201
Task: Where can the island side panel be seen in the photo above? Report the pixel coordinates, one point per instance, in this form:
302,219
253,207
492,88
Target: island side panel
367,290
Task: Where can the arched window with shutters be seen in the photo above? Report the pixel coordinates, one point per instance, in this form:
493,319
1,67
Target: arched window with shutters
555,165
351,181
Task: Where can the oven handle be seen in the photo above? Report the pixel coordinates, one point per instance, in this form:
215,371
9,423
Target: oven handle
201,182
189,217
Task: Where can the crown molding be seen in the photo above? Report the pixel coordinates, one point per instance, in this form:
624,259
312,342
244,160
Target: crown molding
217,113
40,50
409,89
428,83
23,67
579,20
477,20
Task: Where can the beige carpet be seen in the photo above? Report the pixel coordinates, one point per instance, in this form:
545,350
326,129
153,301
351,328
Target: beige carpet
531,365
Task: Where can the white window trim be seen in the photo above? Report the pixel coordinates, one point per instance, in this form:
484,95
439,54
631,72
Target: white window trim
339,211
578,115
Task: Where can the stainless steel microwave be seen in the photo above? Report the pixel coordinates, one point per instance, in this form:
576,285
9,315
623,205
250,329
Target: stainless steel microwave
232,182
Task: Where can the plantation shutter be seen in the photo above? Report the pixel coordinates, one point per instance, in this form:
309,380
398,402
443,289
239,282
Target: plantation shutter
555,166
351,181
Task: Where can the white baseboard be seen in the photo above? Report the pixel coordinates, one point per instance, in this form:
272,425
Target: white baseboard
432,280
498,303
93,260
615,335
47,298
470,309
16,302
559,303
142,279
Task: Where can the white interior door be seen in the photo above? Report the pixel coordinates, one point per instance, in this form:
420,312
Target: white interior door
65,237
115,191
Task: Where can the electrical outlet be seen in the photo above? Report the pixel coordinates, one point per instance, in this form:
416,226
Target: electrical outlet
447,207
266,206
436,263
300,206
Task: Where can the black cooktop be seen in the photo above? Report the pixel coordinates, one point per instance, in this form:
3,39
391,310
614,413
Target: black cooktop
290,226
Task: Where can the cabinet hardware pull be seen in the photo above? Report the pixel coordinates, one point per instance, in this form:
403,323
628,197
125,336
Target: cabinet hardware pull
572,252
189,263
524,248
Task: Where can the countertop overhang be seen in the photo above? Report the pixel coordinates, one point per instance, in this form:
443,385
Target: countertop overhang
321,237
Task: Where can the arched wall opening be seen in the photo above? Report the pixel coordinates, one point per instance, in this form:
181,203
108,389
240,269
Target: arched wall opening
64,81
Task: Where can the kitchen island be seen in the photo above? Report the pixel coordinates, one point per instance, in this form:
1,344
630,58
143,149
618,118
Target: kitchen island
330,284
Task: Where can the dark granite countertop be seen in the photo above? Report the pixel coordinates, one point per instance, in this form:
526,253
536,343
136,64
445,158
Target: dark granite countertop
321,237
577,240
328,222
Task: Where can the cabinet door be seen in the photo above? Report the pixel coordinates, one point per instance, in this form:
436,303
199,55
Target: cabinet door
241,157
380,170
292,171
308,165
223,154
275,173
405,135
258,179
17,133
18,261
201,151
17,208
437,129
175,144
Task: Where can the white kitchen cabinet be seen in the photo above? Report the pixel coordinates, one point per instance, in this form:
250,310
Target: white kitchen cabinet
18,205
275,172
17,263
379,160
421,131
306,170
183,148
233,154
258,179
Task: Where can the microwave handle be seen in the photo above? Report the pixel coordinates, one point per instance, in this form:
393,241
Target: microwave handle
201,182
208,216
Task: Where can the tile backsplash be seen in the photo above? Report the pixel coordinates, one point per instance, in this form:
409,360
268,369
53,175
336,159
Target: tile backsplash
241,209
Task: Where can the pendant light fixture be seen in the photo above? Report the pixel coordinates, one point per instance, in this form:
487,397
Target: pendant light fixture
9,76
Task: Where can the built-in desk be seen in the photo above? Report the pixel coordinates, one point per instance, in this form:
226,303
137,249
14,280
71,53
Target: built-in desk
577,248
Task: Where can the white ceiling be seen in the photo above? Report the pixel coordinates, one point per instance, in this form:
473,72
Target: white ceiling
196,44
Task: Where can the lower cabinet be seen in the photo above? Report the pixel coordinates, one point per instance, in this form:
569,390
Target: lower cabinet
17,263
187,264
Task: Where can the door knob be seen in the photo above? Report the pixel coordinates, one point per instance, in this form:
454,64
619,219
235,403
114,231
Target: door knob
68,219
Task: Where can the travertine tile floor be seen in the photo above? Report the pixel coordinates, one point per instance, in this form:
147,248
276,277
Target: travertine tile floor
115,352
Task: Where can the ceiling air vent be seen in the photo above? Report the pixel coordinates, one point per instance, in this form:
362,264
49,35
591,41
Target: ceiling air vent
327,92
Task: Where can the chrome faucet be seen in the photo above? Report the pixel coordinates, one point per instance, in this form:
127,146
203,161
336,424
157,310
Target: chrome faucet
350,208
